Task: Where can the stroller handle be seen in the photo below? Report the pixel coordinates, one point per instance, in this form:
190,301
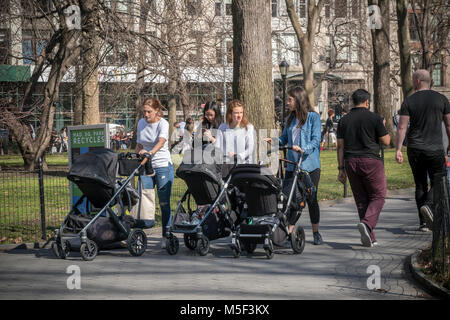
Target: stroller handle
146,157
284,148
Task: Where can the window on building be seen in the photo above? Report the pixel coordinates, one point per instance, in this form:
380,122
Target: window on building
342,47
230,56
218,8
302,10
327,8
289,49
193,7
356,9
32,45
340,8
228,7
195,53
436,75
4,8
274,8
413,32
122,6
4,46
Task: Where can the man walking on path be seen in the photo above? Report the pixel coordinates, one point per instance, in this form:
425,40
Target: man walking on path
424,110
359,135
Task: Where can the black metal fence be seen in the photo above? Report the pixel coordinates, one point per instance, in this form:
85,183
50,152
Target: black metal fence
34,203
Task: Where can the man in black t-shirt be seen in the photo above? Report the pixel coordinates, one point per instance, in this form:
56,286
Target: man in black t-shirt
359,136
424,110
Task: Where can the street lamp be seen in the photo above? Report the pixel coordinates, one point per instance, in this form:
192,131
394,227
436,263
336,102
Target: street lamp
284,68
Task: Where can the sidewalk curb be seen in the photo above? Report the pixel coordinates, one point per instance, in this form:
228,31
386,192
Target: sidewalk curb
420,277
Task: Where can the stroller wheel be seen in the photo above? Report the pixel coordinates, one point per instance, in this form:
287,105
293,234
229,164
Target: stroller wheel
89,250
189,241
203,245
270,252
298,240
137,242
172,245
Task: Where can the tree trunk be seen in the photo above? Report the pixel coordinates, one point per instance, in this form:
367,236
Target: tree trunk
252,70
90,45
172,105
381,67
404,48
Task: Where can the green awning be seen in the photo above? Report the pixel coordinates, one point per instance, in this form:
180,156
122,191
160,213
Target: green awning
14,73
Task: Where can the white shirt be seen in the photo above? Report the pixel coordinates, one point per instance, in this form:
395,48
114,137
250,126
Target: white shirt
240,141
148,135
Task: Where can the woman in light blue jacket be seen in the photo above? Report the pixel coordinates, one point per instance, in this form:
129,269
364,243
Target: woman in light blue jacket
302,131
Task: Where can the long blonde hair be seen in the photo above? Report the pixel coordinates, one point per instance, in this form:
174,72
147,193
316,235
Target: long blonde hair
233,104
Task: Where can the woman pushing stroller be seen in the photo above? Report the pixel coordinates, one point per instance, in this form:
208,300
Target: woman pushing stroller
302,132
152,138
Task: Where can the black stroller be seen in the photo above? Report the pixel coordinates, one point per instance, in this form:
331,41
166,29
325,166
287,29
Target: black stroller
94,173
214,215
270,202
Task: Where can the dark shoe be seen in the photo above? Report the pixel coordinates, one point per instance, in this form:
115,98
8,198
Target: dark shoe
423,228
365,235
317,238
427,216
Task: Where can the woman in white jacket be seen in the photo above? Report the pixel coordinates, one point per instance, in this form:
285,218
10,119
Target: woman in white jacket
236,136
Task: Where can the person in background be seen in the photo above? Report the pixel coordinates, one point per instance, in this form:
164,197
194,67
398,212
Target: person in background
359,136
153,138
329,131
64,140
236,136
212,119
302,132
424,110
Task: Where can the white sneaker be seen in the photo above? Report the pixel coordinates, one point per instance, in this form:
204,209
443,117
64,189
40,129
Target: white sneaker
427,215
163,242
365,236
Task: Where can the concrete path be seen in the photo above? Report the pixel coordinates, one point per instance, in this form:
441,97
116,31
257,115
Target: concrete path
338,269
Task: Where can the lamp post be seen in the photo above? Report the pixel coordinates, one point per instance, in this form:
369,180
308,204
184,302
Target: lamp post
284,68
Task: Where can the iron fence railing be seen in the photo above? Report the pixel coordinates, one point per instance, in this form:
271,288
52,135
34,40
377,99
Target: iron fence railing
34,203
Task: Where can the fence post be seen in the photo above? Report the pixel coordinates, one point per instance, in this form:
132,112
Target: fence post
42,200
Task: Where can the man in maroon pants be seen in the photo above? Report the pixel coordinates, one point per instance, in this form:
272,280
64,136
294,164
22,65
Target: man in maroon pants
359,136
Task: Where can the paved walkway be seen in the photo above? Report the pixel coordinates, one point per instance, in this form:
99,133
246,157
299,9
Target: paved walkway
335,270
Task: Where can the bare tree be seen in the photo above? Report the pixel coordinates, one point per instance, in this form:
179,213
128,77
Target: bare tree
58,55
404,47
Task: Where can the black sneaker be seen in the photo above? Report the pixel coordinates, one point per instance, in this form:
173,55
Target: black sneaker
317,238
427,216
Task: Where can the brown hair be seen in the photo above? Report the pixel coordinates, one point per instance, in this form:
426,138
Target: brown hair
330,112
233,104
155,104
302,106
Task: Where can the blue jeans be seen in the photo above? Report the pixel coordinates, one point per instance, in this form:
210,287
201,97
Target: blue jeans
163,179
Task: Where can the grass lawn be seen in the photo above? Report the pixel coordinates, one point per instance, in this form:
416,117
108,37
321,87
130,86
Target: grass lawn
20,205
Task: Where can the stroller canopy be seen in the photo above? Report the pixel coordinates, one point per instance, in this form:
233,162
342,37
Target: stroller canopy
194,164
254,175
98,165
